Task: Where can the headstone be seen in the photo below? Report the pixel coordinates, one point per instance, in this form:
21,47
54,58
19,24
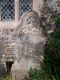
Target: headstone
29,44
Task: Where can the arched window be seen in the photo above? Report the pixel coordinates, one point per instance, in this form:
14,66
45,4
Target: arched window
7,9
25,5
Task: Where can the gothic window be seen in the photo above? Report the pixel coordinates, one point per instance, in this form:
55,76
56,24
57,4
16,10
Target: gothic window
25,5
7,10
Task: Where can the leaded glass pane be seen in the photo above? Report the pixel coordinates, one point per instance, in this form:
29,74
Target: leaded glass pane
25,5
8,11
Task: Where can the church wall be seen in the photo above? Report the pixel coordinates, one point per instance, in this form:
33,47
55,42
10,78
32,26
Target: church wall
37,5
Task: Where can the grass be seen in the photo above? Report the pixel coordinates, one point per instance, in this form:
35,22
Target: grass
8,77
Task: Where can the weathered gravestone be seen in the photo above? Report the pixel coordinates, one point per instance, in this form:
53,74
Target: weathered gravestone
29,43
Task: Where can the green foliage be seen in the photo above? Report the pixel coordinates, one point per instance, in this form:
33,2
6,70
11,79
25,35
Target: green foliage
8,77
37,74
52,56
57,19
33,74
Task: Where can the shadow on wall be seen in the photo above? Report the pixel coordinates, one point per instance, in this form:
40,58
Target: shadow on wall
3,70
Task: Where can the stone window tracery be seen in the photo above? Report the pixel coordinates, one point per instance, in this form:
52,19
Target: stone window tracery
25,5
7,9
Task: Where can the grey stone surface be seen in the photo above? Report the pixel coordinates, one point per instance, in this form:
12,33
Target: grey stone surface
29,43
8,42
6,48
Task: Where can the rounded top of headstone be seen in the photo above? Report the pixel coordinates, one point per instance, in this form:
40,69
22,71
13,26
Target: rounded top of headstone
28,19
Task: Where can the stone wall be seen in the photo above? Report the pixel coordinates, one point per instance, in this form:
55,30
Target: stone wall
7,40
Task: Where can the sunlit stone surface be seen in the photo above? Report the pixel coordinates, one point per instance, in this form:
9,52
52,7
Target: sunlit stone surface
29,43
